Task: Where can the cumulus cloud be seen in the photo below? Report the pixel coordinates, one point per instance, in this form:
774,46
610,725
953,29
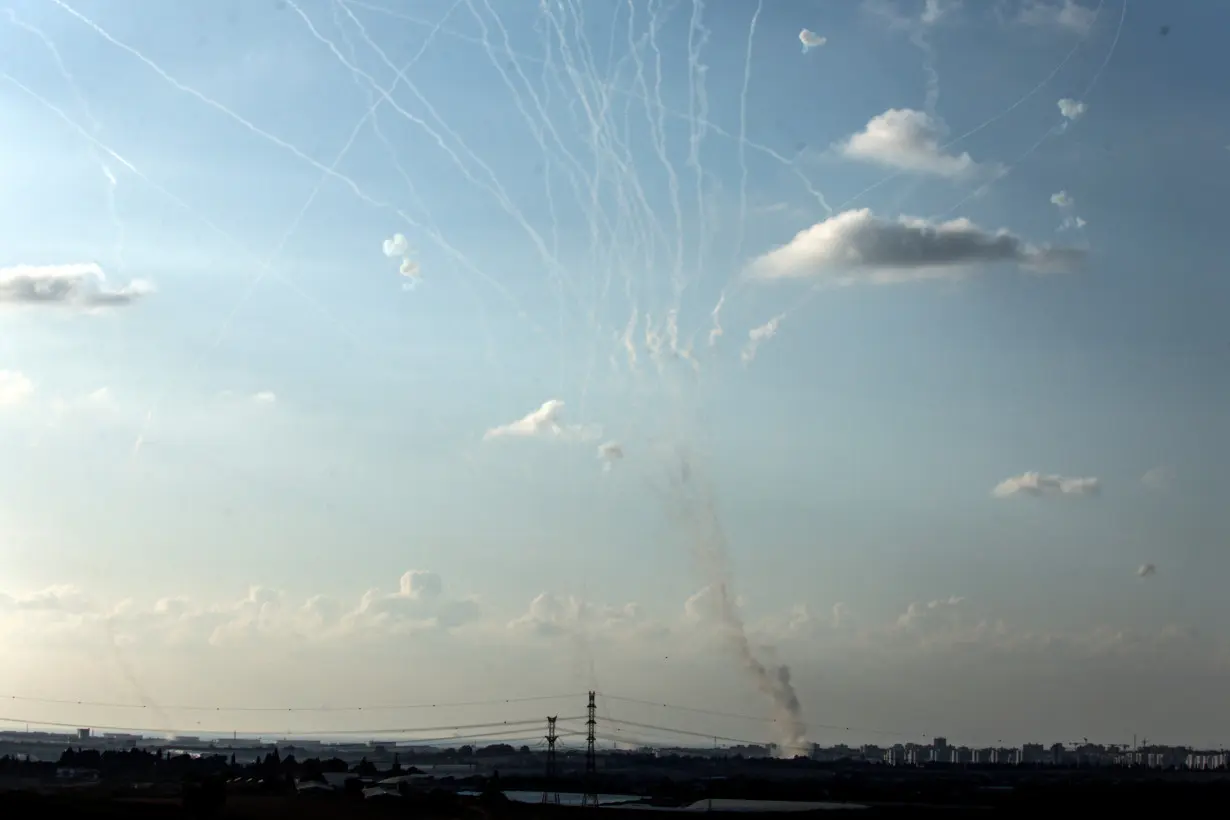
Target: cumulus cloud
551,616
265,397
1065,15
907,140
919,616
1145,570
417,605
1037,484
83,284
811,39
1071,109
60,598
545,422
856,245
15,388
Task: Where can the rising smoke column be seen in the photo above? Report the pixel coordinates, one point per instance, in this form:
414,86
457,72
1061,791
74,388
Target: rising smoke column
708,543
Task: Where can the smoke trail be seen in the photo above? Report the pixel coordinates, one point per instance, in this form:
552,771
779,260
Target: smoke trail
708,544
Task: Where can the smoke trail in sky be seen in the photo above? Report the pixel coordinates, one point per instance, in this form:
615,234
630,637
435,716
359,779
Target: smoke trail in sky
708,543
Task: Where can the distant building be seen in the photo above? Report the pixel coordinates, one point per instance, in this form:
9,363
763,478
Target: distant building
1033,753
83,734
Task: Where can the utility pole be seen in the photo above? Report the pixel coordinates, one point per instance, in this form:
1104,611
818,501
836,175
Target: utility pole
551,786
590,798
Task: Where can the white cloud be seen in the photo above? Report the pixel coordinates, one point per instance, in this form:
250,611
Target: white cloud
545,422
855,246
15,388
1062,200
1037,484
970,669
811,39
553,616
65,599
1159,478
82,284
265,397
1145,570
418,605
1066,15
919,616
1071,109
907,140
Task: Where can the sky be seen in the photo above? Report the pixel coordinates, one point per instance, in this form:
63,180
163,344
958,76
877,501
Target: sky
363,354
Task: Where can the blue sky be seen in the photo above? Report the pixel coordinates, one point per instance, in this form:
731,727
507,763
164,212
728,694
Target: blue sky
273,405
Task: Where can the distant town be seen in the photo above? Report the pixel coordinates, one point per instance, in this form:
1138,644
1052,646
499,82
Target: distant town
478,757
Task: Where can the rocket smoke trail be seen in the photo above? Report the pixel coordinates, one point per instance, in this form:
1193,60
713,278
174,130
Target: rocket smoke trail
708,543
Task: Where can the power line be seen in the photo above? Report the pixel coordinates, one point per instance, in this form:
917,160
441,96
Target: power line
685,732
504,724
692,709
427,705
372,708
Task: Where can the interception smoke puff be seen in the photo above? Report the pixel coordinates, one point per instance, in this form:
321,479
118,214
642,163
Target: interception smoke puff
397,245
708,541
609,453
811,39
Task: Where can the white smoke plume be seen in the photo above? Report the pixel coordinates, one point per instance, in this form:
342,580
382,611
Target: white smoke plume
708,543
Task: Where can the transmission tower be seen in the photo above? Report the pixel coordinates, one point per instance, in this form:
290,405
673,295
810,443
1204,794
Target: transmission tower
550,791
590,798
